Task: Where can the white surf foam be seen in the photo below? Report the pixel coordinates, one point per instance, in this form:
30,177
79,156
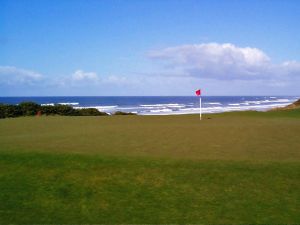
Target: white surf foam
102,108
161,110
68,103
48,104
169,105
212,103
213,109
268,101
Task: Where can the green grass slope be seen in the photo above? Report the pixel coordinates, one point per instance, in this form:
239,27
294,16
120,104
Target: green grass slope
241,167
293,106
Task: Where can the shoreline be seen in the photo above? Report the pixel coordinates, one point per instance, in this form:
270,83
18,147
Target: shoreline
161,105
205,110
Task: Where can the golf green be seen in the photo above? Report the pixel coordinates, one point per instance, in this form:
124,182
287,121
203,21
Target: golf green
240,167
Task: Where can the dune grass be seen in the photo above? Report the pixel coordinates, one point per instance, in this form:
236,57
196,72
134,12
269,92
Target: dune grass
241,167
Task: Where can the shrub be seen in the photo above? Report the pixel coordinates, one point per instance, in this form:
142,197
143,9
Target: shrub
29,108
48,110
10,111
91,112
118,113
2,111
65,110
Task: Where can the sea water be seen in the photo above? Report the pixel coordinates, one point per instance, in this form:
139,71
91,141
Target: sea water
162,105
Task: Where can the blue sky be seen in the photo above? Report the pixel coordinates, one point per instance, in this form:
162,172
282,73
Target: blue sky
166,47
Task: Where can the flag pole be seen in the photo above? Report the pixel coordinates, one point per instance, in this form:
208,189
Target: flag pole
198,93
200,108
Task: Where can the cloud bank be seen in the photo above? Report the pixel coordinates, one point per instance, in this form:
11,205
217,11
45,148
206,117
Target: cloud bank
220,69
222,61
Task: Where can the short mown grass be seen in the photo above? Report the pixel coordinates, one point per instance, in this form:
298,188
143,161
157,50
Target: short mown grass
233,168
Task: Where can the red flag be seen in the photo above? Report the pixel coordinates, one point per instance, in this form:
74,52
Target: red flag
198,92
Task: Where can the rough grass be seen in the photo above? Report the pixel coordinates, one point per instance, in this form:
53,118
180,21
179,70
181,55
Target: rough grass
233,168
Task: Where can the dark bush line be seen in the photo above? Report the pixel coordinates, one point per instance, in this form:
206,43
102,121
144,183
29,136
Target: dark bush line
32,109
118,113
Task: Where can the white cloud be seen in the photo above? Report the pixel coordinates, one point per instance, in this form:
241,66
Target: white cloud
290,68
80,75
79,78
14,76
82,78
222,61
121,80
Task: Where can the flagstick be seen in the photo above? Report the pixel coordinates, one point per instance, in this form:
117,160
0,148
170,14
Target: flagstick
200,108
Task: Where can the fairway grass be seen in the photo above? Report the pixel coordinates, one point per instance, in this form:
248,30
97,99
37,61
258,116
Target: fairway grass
230,168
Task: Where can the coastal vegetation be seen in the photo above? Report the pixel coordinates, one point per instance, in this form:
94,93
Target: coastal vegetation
120,113
32,109
294,105
233,168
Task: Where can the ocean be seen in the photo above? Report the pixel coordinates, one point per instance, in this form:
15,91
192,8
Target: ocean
162,105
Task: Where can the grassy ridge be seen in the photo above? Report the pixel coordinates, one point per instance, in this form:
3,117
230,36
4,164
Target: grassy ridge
232,168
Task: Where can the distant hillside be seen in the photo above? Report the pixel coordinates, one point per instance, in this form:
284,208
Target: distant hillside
294,105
